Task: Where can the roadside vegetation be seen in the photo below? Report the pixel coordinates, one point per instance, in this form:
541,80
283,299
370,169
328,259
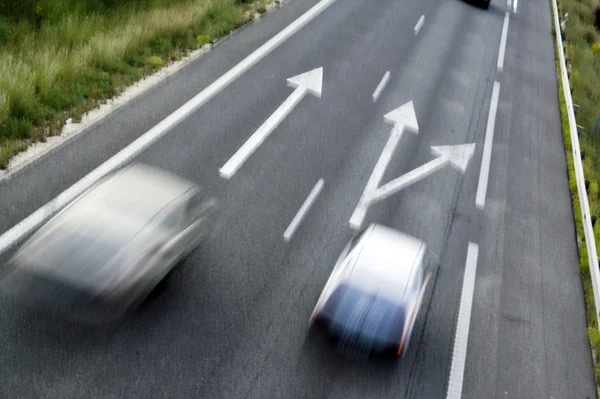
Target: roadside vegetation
582,47
61,58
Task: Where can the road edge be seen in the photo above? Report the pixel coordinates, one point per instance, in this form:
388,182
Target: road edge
579,231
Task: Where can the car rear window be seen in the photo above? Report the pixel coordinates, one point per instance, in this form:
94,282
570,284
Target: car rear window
80,255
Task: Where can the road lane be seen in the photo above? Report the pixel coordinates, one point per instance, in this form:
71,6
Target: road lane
350,171
528,314
233,322
240,273
33,186
348,42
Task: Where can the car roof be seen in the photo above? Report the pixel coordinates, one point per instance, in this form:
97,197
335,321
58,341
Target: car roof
124,202
137,189
385,260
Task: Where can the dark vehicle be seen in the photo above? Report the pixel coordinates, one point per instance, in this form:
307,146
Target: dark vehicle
370,302
100,256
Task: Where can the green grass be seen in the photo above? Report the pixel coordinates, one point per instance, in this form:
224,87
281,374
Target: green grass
61,58
261,8
203,39
583,52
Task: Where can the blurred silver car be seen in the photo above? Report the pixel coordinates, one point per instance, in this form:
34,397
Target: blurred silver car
372,298
101,255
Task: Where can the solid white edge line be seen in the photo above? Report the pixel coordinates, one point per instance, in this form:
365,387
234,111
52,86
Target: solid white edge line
502,50
515,2
419,24
289,232
484,172
381,86
461,337
508,5
27,225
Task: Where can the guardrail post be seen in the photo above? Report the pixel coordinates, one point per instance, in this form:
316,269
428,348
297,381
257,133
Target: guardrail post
575,109
579,130
587,184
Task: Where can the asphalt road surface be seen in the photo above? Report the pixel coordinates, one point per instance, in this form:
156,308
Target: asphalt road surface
233,322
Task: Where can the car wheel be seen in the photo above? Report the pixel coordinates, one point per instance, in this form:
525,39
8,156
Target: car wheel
148,295
485,4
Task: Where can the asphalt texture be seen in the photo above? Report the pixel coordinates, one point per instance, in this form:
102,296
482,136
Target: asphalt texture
233,321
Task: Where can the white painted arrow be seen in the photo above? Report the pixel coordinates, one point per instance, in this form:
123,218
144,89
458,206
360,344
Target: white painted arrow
457,156
402,118
308,82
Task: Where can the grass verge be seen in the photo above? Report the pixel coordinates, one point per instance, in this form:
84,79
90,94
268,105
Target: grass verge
62,58
581,46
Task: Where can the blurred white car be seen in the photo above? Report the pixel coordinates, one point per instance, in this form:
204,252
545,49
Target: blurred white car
101,255
373,296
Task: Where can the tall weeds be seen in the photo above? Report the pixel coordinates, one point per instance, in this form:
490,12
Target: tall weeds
59,58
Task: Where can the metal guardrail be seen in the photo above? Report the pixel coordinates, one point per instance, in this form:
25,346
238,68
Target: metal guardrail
581,190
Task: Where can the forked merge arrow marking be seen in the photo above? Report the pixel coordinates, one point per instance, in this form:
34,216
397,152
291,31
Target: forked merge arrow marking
308,82
402,118
457,156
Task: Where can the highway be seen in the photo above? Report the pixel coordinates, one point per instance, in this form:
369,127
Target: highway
233,321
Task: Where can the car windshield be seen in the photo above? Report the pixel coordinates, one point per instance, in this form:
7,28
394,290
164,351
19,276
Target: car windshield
349,307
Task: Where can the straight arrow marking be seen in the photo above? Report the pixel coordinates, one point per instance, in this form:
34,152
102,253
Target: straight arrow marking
407,179
17,232
309,82
261,134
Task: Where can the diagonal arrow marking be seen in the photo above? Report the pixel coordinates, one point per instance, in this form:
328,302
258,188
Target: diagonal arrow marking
457,156
308,82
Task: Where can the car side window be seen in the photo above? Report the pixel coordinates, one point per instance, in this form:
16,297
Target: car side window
193,205
173,218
